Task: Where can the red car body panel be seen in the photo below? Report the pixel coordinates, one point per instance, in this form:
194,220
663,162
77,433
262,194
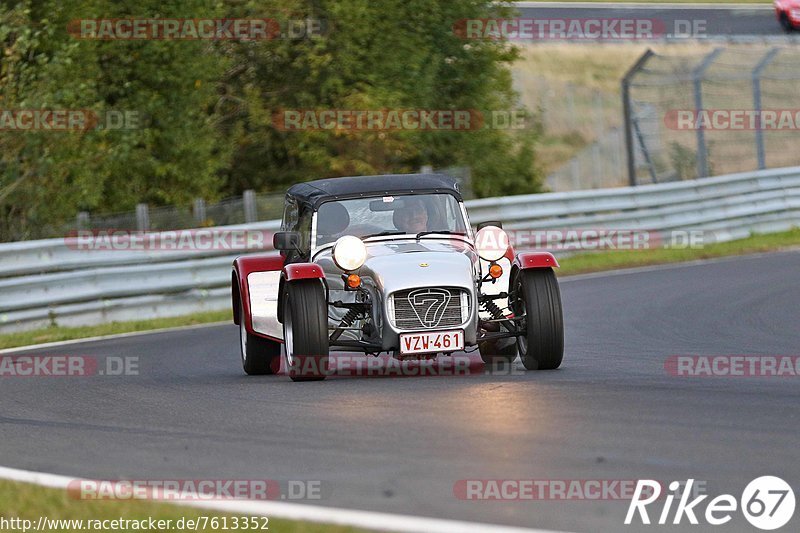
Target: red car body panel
791,8
297,271
243,267
527,260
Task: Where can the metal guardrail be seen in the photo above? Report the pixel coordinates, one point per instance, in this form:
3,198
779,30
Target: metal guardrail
58,255
48,282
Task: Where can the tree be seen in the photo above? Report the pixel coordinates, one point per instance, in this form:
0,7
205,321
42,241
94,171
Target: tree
172,152
205,108
376,55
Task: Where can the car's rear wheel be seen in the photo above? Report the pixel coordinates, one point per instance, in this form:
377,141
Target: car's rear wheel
259,355
538,299
305,330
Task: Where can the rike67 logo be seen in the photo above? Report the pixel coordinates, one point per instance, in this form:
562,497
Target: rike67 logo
767,503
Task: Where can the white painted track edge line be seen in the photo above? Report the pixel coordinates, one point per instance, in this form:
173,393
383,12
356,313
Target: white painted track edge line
292,511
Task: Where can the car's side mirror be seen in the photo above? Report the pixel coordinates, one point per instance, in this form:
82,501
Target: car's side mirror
490,223
286,240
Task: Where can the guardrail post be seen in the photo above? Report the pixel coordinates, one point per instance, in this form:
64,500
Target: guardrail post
142,217
627,110
199,210
757,71
82,220
250,212
697,80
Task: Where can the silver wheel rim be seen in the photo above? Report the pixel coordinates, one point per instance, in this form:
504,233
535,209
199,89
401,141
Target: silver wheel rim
288,335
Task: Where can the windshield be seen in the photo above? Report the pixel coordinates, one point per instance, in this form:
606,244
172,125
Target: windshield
389,215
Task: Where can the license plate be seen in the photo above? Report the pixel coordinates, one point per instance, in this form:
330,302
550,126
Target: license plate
432,342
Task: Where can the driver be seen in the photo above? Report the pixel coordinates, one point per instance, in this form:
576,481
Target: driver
412,217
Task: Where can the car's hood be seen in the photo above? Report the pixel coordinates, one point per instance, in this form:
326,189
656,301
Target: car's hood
384,248
408,263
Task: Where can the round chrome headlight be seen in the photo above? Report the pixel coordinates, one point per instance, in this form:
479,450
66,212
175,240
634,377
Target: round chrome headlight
349,253
491,243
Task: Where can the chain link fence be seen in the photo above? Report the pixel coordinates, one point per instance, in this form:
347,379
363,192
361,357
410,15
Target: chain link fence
250,207
714,112
598,166
585,123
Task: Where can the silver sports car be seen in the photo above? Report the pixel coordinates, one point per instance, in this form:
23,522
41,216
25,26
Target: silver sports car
391,264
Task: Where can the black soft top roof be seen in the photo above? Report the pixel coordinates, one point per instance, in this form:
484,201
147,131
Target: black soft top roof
315,192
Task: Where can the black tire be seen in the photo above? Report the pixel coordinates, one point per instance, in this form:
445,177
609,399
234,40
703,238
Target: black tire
537,296
259,355
786,24
305,330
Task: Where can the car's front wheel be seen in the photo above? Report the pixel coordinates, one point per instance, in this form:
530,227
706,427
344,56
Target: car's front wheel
305,330
538,299
259,356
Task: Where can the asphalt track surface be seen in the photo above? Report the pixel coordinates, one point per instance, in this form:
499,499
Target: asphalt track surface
401,444
717,21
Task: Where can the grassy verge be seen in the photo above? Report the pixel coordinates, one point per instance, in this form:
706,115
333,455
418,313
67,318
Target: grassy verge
60,333
576,264
30,502
613,260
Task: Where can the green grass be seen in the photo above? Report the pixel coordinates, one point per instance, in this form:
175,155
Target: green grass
576,264
60,333
613,260
26,501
